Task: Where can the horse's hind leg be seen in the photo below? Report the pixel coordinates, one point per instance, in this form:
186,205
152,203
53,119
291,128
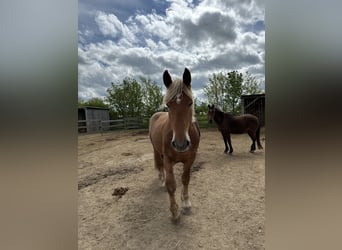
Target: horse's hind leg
258,138
158,163
253,137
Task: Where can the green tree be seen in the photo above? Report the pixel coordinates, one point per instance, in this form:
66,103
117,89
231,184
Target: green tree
126,98
215,90
233,91
225,89
250,85
93,102
202,108
80,102
152,96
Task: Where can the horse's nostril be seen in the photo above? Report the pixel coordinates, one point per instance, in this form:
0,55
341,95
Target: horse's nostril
180,147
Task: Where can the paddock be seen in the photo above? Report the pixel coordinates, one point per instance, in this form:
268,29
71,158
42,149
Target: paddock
121,204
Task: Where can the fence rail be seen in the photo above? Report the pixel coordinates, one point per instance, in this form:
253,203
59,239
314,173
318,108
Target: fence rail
89,126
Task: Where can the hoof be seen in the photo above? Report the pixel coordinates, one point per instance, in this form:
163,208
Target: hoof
175,218
161,177
175,212
186,207
175,221
186,210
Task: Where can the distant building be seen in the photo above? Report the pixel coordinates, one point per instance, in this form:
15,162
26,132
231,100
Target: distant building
89,118
255,105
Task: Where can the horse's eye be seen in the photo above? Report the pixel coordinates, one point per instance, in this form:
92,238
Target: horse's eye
190,104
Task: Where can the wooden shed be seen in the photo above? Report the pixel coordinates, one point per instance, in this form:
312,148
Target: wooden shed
89,118
255,105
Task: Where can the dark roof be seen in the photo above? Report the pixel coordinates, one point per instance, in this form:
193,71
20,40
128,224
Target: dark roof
253,96
91,107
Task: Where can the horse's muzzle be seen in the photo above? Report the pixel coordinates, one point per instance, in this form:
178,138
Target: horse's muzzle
181,147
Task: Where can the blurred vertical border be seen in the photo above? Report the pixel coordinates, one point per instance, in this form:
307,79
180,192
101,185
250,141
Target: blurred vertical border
38,100
304,121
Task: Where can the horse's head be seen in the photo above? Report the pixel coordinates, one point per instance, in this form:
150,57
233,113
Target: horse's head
211,112
179,101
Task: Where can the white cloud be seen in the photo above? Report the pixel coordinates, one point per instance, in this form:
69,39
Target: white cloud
155,25
110,25
206,38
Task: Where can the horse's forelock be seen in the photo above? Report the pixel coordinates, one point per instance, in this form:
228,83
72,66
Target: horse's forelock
177,88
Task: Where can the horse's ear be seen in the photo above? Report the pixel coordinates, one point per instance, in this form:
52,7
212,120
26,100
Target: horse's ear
167,79
209,106
186,77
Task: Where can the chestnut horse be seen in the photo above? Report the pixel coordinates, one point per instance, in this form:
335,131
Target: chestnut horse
175,137
229,124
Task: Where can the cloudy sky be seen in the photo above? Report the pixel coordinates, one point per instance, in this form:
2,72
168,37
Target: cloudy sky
133,38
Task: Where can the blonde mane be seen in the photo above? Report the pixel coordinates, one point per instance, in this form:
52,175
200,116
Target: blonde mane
176,90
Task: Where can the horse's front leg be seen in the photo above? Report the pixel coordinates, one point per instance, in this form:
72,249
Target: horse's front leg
225,142
186,204
230,144
170,184
158,163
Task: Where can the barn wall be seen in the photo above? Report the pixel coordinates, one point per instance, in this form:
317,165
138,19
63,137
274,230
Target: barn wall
94,116
255,105
97,114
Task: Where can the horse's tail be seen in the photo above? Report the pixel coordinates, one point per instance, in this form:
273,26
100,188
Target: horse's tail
258,138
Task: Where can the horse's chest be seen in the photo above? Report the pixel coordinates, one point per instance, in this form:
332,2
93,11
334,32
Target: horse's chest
180,157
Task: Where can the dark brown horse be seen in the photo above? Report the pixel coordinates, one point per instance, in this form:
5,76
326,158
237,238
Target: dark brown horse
175,137
229,124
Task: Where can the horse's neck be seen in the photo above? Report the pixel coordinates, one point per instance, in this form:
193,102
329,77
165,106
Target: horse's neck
229,118
218,118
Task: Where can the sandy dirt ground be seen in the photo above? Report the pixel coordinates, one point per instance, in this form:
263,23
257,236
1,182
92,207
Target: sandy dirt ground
121,204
